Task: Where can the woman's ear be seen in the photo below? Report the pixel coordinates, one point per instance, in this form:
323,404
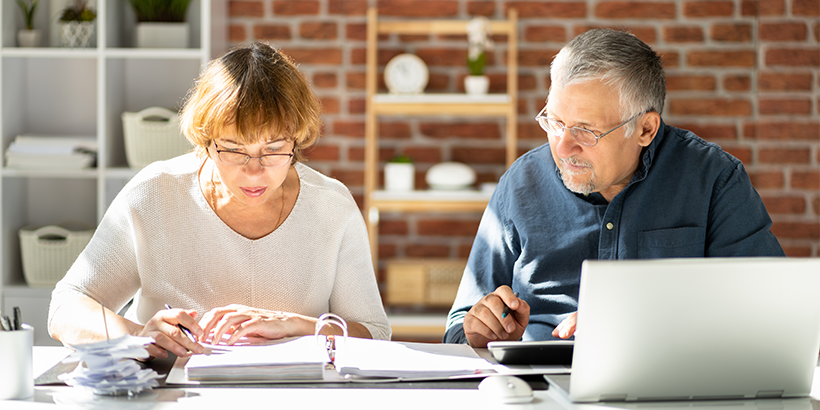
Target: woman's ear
648,125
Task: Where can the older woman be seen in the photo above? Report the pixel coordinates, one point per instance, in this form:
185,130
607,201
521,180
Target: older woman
239,231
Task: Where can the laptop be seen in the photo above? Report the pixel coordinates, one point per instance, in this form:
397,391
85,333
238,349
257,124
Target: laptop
695,329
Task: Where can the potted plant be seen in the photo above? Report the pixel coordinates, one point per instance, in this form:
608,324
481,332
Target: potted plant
478,42
161,23
29,37
399,174
77,24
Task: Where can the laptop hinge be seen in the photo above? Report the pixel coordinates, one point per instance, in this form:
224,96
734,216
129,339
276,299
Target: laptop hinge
769,394
612,397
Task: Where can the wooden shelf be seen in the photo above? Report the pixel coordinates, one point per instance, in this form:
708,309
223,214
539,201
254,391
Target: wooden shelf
502,105
443,98
461,105
423,327
430,201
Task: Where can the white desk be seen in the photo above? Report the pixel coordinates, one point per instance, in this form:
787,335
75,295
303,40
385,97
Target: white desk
53,397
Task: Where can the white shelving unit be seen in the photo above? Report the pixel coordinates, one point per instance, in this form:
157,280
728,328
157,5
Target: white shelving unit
69,92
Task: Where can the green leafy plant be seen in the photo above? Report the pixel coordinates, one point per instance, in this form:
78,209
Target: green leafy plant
164,11
29,8
79,11
401,159
476,65
478,41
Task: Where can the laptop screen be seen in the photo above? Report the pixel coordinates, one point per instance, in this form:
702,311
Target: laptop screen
701,328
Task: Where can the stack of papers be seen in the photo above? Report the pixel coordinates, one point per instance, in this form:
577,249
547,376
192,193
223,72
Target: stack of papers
107,368
292,359
41,152
306,358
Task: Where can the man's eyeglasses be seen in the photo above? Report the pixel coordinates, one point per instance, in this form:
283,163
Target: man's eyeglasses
584,137
240,158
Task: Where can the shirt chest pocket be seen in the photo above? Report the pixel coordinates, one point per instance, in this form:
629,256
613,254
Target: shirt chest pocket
682,242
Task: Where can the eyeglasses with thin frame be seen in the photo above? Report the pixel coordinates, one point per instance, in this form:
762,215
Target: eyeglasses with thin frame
240,158
584,137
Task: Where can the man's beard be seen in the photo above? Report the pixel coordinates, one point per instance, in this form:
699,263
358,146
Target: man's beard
584,188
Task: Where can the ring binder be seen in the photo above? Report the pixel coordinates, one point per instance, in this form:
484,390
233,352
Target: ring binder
332,359
330,341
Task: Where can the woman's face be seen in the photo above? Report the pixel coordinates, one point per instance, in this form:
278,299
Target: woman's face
251,184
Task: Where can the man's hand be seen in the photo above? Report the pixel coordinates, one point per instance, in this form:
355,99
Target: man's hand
483,323
566,328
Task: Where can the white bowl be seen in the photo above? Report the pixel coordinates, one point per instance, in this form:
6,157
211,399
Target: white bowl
450,176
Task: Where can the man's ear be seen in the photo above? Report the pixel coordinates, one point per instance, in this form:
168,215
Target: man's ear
648,126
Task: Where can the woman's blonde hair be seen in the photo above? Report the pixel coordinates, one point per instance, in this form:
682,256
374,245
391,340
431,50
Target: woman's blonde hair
256,92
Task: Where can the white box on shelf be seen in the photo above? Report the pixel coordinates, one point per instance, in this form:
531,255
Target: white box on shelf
162,35
49,251
148,140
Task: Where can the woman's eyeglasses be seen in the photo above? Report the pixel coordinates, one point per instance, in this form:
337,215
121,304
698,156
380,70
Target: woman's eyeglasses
239,158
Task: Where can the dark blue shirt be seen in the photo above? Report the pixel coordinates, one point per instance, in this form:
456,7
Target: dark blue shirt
688,198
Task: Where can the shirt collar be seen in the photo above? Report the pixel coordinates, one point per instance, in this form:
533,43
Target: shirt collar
648,154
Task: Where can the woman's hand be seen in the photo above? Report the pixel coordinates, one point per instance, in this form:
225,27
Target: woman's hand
238,321
169,337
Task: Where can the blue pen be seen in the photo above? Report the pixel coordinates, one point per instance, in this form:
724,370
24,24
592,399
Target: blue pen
183,328
507,309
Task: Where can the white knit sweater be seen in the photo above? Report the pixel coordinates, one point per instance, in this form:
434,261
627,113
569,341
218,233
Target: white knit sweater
160,242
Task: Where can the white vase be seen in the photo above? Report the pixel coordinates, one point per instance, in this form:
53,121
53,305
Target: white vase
76,34
399,176
28,38
476,84
162,35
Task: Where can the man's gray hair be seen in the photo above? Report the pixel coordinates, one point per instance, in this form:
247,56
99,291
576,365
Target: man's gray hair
618,58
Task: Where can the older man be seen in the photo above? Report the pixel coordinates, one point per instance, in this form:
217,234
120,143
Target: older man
614,182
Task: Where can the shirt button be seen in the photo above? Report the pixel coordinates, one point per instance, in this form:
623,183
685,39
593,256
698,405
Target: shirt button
609,226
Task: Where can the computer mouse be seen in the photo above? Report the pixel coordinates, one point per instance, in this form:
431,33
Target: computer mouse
507,389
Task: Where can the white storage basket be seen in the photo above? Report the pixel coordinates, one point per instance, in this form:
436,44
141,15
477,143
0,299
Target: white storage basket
49,251
148,140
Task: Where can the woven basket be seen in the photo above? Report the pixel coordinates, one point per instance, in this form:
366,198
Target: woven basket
49,251
148,139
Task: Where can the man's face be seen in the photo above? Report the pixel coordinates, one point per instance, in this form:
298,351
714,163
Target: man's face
606,167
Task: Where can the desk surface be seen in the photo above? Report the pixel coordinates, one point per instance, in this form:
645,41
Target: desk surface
47,397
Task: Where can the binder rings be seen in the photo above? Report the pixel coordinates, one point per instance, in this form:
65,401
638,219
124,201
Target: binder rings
329,359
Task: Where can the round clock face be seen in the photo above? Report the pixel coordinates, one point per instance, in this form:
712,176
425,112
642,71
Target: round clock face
406,74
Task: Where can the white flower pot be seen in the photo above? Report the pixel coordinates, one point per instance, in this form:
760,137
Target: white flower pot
76,34
476,84
399,176
162,35
28,38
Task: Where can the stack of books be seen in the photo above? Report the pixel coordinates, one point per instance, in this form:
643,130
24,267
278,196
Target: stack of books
33,152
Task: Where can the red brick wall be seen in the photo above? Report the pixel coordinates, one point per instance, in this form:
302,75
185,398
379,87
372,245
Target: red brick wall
741,73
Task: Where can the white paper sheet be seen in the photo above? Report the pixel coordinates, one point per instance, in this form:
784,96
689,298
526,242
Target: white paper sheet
301,358
380,358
